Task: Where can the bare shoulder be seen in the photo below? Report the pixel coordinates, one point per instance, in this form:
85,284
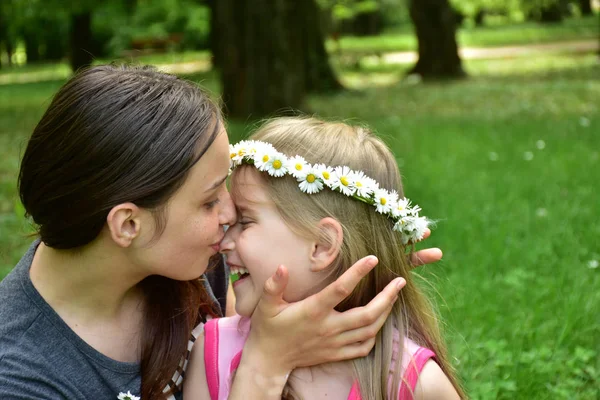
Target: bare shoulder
195,385
433,384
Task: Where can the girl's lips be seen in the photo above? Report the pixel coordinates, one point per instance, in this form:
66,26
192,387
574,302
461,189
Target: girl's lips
236,283
216,247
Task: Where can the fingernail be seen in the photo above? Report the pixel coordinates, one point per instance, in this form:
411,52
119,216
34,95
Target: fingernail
278,273
400,284
373,260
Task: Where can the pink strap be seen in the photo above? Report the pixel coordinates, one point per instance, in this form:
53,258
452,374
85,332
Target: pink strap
211,357
410,378
354,392
235,363
411,375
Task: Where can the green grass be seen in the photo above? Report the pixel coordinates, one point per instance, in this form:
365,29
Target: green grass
403,39
507,162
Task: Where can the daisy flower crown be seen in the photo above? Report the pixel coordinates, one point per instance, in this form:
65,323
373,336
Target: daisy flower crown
314,178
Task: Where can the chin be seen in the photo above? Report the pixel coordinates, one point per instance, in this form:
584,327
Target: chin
244,311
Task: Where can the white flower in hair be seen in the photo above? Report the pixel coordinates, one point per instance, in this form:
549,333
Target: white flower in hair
402,208
297,167
342,180
276,166
252,146
393,200
127,396
313,178
311,183
262,157
412,228
414,210
383,201
325,173
363,184
236,153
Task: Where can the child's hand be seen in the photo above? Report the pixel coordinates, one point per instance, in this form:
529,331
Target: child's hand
285,335
426,256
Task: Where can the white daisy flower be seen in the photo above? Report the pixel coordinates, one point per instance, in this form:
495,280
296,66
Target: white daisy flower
412,228
127,396
311,183
253,147
414,210
383,201
363,184
236,153
262,157
342,180
325,173
402,208
297,166
276,166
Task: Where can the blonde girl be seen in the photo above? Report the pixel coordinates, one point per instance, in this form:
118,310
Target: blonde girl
318,195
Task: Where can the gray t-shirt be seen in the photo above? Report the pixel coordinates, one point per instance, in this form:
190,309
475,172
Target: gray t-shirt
42,358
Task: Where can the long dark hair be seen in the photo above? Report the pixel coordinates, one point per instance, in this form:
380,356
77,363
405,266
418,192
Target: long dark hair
115,134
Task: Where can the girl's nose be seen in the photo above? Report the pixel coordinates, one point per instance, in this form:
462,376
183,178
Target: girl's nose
228,242
227,214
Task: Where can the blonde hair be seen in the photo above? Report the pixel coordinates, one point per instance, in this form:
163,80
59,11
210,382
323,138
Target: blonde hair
364,232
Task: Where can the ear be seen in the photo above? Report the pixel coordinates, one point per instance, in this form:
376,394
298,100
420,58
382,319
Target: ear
328,246
124,223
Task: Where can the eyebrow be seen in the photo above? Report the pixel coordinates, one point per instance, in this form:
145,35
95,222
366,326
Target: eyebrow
216,184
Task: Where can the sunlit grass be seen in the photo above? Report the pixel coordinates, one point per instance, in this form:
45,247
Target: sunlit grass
403,39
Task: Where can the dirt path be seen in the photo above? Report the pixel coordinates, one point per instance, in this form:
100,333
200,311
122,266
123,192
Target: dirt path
478,53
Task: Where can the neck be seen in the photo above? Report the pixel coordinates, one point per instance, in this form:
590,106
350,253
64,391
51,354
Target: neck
91,283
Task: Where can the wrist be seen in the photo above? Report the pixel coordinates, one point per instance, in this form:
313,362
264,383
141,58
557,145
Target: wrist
265,359
264,369
267,381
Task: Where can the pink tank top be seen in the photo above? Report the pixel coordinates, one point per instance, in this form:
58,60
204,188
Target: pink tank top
224,340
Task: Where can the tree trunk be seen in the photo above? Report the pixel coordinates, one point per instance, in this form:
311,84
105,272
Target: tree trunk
81,40
585,6
9,51
3,34
319,75
269,54
435,27
32,45
213,33
285,36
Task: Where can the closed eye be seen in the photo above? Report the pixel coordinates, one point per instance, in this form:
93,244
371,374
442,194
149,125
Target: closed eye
210,205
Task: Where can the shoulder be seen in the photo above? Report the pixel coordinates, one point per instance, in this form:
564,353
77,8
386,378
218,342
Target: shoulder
25,374
11,388
433,384
195,384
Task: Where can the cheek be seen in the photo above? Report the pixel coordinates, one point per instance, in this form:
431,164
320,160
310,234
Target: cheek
258,255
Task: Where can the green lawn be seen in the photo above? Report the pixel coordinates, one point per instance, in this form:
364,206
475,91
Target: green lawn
507,162
403,39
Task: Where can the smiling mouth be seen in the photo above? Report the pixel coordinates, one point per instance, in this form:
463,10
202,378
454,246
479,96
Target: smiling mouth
237,273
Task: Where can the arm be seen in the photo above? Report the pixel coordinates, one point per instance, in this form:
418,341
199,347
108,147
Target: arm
433,384
194,384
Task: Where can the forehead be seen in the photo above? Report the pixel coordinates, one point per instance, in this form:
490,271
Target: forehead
212,167
248,187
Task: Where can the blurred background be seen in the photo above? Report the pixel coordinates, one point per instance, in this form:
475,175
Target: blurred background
492,108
